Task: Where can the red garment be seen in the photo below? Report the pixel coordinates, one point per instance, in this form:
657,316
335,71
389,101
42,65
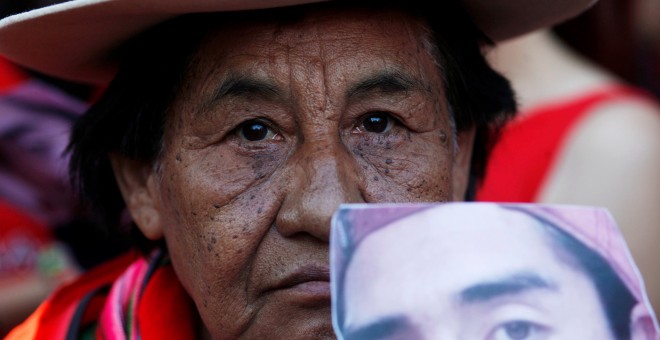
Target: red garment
10,75
165,311
528,147
22,239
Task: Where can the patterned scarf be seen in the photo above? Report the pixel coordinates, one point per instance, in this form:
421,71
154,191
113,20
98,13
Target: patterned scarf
118,319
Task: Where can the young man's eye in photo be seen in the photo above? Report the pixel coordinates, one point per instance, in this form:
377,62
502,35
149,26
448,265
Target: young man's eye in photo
518,330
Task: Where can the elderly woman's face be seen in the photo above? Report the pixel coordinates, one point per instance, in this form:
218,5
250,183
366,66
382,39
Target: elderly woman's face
276,126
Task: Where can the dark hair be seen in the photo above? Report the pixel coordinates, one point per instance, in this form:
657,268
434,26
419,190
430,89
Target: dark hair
129,118
614,296
478,96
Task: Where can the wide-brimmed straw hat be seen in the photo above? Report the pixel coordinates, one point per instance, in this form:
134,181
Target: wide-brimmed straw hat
74,40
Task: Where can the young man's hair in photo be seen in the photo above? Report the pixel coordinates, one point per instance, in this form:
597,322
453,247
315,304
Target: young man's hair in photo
616,299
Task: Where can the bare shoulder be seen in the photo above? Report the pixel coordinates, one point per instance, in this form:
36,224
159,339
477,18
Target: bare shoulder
627,129
613,154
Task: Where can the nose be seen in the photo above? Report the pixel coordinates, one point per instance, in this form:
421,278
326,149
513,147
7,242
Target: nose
322,177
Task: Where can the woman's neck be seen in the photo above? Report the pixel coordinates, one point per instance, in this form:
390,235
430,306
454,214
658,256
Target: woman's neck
542,69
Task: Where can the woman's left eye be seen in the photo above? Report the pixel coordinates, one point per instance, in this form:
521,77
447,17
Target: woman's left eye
254,131
377,122
518,330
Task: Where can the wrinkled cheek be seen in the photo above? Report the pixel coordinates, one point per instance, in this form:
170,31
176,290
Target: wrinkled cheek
215,191
211,258
213,223
405,180
408,170
221,305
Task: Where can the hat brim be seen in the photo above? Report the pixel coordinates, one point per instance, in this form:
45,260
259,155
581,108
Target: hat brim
74,40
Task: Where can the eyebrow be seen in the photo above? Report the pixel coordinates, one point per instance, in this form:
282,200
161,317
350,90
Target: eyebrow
244,86
390,82
385,82
511,285
241,85
380,329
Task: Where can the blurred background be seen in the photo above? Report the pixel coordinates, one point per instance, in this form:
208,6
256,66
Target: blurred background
588,127
576,84
621,36
47,238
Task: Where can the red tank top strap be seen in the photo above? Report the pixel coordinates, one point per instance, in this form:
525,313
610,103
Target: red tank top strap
528,146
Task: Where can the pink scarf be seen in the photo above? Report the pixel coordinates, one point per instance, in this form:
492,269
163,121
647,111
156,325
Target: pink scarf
118,319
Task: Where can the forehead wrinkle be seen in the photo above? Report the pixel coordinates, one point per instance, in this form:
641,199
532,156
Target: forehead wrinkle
324,73
422,34
306,60
240,80
419,34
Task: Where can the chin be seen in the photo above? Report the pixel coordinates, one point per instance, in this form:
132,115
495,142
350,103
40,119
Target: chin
315,323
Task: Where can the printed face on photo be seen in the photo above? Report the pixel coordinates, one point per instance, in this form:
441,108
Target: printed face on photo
460,278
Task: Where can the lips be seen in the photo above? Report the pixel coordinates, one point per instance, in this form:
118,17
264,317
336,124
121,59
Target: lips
307,284
305,274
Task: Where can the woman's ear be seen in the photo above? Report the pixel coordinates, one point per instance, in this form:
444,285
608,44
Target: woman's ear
137,185
462,160
642,325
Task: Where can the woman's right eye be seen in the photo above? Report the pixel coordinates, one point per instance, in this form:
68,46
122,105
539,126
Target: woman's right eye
376,122
254,131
